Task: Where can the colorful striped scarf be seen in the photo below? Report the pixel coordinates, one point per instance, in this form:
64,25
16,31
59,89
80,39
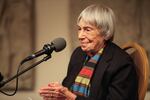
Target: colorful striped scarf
82,82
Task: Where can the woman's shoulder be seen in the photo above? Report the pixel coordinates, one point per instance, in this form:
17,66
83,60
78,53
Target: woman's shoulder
78,52
118,50
119,53
120,58
78,49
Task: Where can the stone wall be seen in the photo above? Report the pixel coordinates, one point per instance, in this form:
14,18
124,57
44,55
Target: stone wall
16,39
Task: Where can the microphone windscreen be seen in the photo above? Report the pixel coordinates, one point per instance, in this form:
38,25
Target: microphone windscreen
59,44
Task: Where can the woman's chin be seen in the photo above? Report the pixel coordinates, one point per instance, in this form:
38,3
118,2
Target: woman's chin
84,49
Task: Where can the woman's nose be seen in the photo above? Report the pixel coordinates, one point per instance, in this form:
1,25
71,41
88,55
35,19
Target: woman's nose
81,34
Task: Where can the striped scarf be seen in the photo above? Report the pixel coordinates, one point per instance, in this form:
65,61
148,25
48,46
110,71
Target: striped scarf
82,82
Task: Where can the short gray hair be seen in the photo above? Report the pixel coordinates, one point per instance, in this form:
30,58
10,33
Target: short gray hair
100,16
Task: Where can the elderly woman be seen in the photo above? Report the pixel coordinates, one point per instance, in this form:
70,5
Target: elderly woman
98,69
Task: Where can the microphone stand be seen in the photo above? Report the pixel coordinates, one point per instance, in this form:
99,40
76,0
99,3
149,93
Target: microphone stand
2,83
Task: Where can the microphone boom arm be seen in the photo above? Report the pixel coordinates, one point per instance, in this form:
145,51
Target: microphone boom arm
2,83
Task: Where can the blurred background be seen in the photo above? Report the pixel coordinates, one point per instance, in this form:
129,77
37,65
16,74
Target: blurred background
26,25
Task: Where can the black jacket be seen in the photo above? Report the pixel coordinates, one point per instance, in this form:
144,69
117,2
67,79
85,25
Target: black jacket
114,77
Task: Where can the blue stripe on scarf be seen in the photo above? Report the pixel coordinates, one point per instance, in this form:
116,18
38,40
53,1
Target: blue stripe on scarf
80,89
96,57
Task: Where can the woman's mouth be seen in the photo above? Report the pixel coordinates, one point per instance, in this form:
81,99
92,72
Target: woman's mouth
83,44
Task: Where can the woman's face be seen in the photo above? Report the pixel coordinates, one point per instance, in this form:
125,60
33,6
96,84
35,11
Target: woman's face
89,36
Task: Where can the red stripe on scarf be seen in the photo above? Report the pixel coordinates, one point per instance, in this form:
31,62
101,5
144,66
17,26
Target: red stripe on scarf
86,72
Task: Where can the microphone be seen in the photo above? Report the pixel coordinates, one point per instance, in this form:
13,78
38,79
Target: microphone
57,45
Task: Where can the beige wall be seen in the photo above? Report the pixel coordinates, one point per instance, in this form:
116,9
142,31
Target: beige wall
52,20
